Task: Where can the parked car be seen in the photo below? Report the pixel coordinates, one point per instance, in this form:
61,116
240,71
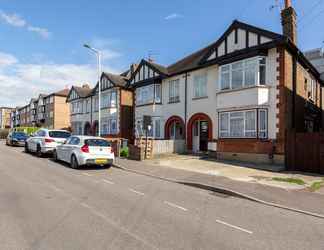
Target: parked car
45,141
85,150
16,138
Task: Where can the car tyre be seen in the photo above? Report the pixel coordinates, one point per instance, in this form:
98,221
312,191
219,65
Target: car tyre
55,156
74,162
39,151
26,148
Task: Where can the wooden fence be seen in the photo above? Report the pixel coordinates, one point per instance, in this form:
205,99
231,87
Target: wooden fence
305,152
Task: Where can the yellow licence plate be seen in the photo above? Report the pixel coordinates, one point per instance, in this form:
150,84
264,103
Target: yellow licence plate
101,161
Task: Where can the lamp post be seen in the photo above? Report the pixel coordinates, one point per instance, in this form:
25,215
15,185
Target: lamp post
98,53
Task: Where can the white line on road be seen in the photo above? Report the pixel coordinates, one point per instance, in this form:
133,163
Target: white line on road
136,192
235,227
175,205
86,174
109,182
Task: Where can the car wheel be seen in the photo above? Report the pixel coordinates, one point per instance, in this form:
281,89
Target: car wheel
55,156
26,148
39,151
74,162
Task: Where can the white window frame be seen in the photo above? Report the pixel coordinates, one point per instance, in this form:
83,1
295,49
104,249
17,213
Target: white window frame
149,94
257,117
197,87
174,91
258,59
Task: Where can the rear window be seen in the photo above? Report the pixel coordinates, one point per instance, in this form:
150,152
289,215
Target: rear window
97,143
59,134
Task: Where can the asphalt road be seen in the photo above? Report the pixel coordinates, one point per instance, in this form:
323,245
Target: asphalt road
47,205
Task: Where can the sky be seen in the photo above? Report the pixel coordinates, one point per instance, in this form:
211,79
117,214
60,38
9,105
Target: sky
41,42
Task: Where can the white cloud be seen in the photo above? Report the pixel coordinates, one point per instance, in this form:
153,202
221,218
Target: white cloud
173,16
13,19
20,82
17,21
108,48
44,33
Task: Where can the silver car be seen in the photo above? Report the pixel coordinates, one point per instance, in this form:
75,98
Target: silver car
85,150
45,141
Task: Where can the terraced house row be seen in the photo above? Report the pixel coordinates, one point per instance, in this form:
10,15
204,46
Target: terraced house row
238,96
47,110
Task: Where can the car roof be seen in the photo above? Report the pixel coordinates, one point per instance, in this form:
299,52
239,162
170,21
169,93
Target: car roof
86,137
51,130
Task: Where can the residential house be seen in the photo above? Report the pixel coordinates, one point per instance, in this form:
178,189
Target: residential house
116,108
238,97
5,119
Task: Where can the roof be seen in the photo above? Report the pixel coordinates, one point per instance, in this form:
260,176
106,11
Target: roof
158,67
63,92
83,91
118,80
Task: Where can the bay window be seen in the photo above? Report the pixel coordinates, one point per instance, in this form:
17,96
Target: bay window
109,100
109,126
244,73
155,130
148,94
244,124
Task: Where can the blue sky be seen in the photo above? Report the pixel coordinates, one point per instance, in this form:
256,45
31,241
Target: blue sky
41,41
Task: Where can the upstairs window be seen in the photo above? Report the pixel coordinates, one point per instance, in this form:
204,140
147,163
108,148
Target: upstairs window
200,86
148,94
109,100
245,73
174,91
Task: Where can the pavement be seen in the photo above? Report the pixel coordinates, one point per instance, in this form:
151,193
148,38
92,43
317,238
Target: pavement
237,181
47,205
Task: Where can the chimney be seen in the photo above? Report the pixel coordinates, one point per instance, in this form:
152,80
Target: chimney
289,22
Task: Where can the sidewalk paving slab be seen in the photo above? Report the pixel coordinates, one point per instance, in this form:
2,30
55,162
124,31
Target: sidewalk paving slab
305,201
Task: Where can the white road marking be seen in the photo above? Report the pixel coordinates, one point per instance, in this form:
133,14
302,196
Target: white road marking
86,174
94,211
175,205
109,182
136,192
233,226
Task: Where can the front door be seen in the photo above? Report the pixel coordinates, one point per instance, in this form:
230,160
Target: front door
203,136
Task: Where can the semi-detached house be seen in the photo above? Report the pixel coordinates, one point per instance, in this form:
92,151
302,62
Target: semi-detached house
239,96
116,108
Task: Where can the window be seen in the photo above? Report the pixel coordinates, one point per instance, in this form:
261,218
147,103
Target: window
312,89
263,123
95,104
148,94
243,124
200,86
109,126
155,130
174,89
245,73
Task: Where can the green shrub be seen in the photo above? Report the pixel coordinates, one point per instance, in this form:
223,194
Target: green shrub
124,152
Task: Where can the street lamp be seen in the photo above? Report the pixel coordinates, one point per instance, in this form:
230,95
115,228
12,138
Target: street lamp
98,53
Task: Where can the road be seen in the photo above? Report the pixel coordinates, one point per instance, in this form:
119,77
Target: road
47,205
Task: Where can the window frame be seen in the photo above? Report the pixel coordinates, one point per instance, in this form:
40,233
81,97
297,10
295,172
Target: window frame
151,94
257,130
174,91
261,61
197,80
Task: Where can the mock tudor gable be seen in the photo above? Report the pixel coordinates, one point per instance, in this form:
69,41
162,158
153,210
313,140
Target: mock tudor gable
239,36
147,72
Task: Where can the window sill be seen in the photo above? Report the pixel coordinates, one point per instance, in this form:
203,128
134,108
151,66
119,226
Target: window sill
173,102
199,98
148,104
244,88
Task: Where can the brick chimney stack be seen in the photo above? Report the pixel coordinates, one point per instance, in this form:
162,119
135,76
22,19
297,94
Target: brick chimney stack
289,21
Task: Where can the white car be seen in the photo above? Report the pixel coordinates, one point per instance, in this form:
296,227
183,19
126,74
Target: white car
45,141
85,150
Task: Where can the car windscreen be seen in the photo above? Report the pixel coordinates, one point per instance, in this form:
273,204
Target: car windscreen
97,143
19,134
59,134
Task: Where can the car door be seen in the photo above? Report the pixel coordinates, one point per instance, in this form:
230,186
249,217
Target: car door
31,142
61,150
37,139
71,147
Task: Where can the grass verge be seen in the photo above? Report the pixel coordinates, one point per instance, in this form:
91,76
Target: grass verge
316,185
289,180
